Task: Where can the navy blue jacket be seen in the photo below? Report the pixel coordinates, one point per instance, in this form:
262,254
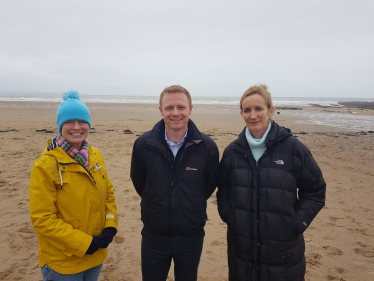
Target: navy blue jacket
174,190
267,206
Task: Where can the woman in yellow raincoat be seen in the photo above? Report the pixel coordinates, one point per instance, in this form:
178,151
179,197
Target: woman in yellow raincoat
72,204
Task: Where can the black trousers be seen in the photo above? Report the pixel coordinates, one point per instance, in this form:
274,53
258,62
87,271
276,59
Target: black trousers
159,249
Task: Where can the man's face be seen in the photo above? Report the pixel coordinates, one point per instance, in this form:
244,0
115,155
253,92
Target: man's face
176,111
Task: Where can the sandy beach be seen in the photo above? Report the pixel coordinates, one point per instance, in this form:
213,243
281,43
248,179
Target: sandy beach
339,243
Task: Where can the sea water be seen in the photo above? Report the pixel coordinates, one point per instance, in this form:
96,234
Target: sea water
340,120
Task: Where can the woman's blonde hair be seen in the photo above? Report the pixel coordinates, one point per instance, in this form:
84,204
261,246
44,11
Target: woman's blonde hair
260,89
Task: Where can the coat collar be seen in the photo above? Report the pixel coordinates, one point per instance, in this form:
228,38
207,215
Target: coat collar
157,135
62,157
275,135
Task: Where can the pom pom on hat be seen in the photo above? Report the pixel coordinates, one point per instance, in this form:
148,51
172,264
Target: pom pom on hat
71,94
72,108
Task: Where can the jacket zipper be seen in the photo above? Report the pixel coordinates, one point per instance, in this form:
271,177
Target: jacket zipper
172,161
257,172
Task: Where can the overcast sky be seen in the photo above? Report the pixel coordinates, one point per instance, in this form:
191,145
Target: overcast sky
212,48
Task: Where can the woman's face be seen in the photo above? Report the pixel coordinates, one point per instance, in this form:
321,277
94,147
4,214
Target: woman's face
256,115
75,132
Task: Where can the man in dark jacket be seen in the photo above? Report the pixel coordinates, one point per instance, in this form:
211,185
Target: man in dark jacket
174,169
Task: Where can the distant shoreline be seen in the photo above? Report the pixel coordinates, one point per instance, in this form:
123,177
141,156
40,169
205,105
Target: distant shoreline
279,102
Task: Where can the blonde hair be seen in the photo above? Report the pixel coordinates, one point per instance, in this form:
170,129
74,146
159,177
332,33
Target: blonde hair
260,89
175,89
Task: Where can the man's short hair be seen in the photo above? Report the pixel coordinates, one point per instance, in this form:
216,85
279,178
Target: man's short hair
175,89
260,89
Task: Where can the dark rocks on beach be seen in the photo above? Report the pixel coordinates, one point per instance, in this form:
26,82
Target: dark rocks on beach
301,133
43,131
288,108
127,132
10,130
323,106
358,104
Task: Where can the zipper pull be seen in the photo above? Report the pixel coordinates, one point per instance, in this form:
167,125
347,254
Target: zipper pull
172,183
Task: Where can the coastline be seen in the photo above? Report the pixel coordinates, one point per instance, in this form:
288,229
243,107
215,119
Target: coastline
339,242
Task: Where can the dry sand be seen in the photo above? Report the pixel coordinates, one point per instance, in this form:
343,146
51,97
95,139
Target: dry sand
339,243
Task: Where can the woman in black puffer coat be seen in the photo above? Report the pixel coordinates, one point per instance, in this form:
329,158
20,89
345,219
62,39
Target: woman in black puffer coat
270,190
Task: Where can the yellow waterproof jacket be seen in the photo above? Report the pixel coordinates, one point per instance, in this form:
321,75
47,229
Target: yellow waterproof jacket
69,205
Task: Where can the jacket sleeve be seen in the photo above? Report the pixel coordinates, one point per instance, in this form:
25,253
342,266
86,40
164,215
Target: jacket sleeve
223,193
312,194
211,173
42,199
138,171
111,219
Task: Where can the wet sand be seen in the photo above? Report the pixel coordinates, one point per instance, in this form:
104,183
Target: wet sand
339,242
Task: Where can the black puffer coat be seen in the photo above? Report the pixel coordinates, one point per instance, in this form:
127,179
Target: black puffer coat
267,206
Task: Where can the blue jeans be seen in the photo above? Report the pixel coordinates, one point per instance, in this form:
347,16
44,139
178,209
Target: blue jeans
91,274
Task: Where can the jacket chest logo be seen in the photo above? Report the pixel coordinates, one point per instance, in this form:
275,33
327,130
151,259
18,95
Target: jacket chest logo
190,169
279,162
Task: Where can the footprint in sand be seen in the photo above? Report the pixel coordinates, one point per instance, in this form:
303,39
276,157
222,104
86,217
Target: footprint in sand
333,251
216,243
27,229
364,250
337,221
313,260
119,239
368,254
135,208
361,231
340,270
362,244
331,277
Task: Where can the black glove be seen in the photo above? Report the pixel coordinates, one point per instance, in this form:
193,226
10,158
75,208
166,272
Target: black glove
96,244
108,233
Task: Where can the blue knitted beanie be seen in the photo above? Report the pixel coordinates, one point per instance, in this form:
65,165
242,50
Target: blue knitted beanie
72,108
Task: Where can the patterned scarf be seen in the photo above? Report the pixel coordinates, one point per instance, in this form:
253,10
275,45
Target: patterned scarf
81,156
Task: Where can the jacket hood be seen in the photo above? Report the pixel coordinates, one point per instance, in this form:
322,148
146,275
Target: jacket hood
276,134
58,153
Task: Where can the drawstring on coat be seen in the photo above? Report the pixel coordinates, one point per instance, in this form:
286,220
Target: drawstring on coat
98,167
59,171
